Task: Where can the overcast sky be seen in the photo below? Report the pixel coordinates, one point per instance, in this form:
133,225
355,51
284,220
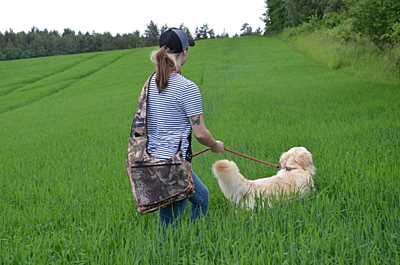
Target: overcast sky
120,16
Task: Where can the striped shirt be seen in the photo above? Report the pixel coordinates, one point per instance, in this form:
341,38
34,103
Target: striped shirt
167,116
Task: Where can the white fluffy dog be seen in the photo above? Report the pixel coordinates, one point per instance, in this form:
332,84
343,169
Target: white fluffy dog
294,177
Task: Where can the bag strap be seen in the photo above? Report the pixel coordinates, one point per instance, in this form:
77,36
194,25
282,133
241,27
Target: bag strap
139,123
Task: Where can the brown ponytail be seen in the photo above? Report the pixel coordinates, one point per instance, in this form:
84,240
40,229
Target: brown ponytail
165,64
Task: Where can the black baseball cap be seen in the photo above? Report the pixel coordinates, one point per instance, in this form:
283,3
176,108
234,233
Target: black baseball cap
176,40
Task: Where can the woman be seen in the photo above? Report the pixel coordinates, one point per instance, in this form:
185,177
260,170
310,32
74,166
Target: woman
174,112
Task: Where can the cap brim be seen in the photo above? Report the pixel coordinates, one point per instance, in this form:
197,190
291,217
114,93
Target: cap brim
191,42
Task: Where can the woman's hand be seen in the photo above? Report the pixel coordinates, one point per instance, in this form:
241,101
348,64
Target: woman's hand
218,147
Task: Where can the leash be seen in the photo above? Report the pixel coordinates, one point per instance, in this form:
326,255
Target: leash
242,155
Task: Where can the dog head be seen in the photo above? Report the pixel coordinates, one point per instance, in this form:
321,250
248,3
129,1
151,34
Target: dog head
298,157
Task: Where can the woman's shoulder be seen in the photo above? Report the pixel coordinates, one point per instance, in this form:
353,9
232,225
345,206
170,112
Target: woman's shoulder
183,80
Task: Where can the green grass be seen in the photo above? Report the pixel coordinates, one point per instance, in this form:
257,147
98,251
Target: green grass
65,123
359,56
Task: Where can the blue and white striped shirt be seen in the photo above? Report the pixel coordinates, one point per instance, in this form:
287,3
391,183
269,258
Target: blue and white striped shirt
167,115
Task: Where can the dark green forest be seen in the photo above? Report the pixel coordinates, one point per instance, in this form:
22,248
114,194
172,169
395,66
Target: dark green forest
38,43
375,20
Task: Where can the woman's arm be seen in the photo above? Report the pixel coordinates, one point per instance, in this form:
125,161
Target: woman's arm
203,135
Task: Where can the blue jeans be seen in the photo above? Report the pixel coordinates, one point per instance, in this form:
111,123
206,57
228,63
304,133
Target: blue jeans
198,208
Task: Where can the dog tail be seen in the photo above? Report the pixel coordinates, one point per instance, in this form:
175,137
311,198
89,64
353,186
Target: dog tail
232,183
225,169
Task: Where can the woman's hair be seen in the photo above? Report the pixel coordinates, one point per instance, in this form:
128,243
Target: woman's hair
165,64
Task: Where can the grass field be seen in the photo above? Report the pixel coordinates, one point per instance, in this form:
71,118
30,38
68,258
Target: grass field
65,122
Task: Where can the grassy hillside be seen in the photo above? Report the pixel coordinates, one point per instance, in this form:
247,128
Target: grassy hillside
359,57
65,197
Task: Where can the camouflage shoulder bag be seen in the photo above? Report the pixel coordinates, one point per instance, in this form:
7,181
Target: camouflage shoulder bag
155,184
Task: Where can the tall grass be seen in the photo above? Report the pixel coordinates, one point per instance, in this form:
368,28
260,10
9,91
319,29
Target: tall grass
334,48
65,197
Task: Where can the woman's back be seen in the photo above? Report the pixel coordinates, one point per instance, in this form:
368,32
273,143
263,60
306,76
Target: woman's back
167,115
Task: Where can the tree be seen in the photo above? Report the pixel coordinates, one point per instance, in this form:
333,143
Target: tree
377,19
246,30
151,34
164,28
2,55
2,40
274,19
186,30
37,43
68,44
67,32
12,52
107,42
197,34
291,13
223,35
204,32
119,42
97,41
9,36
137,40
258,32
211,33
52,42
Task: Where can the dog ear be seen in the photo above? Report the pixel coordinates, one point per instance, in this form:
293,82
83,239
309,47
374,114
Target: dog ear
305,161
283,160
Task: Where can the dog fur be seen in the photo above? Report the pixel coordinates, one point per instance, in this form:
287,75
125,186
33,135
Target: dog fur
294,177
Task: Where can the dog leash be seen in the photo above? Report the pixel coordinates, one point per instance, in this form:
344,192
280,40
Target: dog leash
242,155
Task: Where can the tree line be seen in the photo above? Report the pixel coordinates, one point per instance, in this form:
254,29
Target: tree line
39,43
377,20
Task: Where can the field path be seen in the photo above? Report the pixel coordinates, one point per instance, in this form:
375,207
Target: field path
43,84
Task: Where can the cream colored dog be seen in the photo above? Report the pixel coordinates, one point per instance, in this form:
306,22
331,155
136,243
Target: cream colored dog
294,177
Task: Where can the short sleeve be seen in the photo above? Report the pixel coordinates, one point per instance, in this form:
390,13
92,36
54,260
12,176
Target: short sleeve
191,100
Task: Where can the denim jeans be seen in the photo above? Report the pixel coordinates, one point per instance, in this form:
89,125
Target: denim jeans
198,208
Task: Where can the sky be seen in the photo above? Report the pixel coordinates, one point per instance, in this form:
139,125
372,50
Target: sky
120,16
